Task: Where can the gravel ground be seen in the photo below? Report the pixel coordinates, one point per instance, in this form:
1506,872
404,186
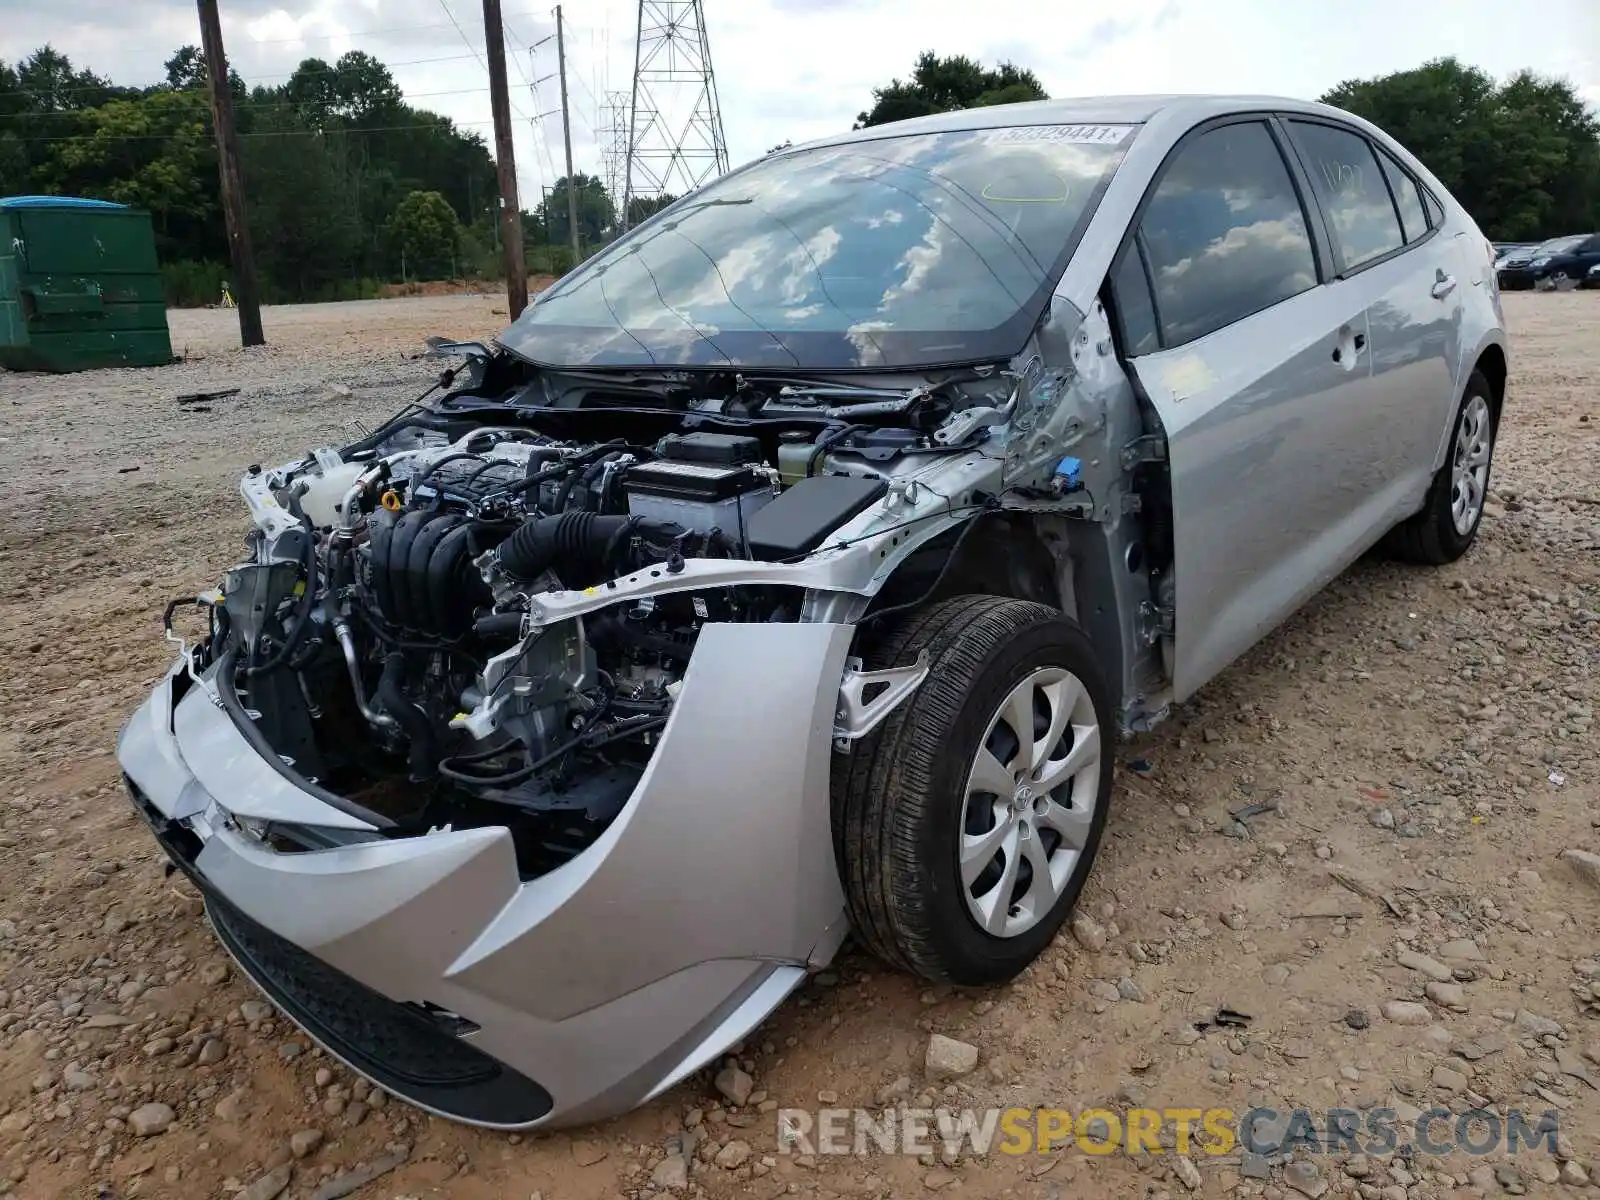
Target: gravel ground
1426,736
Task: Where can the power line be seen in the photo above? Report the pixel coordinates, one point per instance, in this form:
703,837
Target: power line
249,105
163,137
329,69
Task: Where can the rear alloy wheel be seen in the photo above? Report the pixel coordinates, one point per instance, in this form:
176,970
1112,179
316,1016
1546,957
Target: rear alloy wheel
966,825
1449,518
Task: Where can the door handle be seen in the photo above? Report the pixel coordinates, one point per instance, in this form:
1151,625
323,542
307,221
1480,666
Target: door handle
1443,285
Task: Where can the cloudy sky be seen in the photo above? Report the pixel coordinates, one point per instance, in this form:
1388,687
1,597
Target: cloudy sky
798,69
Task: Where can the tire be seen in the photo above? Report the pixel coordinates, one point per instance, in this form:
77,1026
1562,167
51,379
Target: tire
1432,536
902,813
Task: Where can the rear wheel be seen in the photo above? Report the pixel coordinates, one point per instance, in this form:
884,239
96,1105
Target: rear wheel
966,825
1448,521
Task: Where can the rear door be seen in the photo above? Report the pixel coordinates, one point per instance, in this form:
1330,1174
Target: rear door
1259,372
1410,275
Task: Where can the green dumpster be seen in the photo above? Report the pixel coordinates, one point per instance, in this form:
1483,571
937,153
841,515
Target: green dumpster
79,286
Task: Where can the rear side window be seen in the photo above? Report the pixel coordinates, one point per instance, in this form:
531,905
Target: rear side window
1225,233
1361,216
1407,199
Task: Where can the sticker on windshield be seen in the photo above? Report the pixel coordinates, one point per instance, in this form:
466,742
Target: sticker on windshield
1091,135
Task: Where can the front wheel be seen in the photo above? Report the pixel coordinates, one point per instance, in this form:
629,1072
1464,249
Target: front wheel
1448,522
966,825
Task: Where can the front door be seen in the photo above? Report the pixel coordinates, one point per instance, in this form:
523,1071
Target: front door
1260,374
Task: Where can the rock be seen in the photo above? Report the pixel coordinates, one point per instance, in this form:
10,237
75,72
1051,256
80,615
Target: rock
1482,1178
1406,1012
215,974
1357,1019
1101,990
15,1122
269,1187
212,1051
352,1181
734,1155
1585,865
304,1143
150,1119
1383,819
1448,995
1358,1166
948,1058
158,1046
1510,1178
1462,950
734,1084
1088,932
1432,968
115,923
108,1021
1129,990
1304,1178
898,1089
77,1081
255,1010
939,1178
234,1107
1448,1079
1188,1173
586,1154
1574,1175
672,1173
1535,1024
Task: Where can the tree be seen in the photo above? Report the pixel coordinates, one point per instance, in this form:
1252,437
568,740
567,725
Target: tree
946,84
596,214
1523,157
425,229
305,230
642,208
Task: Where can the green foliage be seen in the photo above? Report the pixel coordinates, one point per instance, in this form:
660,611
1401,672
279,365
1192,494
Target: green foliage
642,208
596,214
188,284
1523,156
329,157
945,84
425,228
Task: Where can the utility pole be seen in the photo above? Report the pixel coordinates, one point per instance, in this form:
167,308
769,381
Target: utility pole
494,41
244,288
566,133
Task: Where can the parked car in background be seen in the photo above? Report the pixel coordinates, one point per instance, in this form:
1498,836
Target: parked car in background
1505,250
1592,279
1562,258
795,565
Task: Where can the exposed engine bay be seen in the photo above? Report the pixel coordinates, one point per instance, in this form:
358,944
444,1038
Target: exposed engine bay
481,613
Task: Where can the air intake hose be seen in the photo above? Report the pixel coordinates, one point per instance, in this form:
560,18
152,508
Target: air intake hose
579,545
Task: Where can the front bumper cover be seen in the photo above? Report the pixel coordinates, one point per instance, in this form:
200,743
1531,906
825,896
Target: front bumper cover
425,964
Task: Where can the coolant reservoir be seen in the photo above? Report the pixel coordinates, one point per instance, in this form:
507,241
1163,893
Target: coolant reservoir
794,453
327,488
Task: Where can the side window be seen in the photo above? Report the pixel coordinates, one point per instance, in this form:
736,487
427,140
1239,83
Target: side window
1361,216
1435,209
1130,292
1406,197
1225,233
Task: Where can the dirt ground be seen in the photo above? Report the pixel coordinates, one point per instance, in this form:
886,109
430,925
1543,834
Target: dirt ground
1427,734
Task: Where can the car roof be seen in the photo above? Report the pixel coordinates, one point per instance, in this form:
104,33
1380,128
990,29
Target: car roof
1086,110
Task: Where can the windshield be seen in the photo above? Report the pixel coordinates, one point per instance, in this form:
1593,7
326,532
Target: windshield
919,250
1561,245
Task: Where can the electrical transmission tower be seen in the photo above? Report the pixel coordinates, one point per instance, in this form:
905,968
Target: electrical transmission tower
675,140
614,146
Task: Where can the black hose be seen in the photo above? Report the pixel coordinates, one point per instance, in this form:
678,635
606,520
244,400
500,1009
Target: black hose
582,542
950,558
828,438
526,772
301,617
497,626
413,722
